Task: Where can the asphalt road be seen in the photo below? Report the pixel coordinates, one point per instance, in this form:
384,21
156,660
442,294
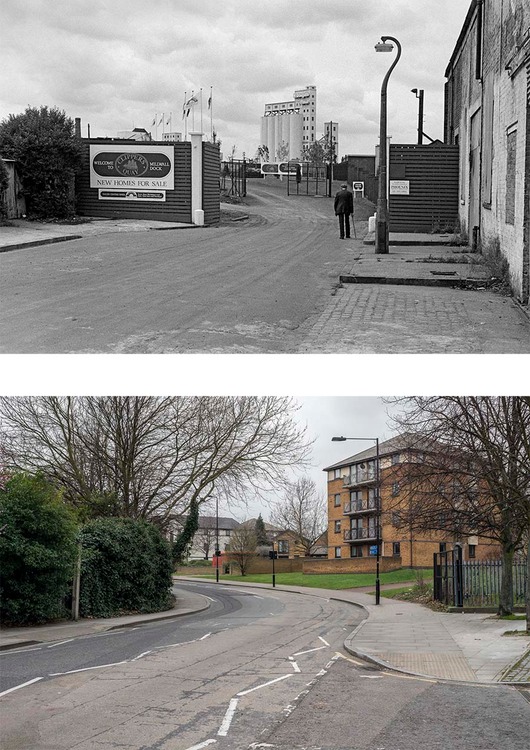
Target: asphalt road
257,670
241,287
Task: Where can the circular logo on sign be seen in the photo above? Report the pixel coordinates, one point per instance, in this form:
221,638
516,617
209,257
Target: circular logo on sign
131,165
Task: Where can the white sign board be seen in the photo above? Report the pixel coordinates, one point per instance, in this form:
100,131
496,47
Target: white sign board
399,187
132,167
131,195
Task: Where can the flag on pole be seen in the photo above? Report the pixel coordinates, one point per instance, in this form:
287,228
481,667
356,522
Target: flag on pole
161,120
210,99
154,122
189,105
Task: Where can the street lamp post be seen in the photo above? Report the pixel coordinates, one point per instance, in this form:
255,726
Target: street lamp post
377,508
381,234
419,96
217,539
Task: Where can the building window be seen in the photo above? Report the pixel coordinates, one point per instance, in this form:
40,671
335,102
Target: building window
336,474
396,519
395,458
395,489
336,500
443,547
471,551
338,552
283,547
396,549
510,176
356,552
337,527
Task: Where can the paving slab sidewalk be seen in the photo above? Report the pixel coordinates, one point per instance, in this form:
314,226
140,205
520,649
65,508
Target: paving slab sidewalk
23,233
421,260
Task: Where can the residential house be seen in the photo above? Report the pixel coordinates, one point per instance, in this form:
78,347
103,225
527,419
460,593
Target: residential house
487,113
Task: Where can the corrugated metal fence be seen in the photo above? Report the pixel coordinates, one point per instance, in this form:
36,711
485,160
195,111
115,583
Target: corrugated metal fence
427,180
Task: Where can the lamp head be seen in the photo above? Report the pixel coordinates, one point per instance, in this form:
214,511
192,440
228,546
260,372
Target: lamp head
339,439
382,47
414,91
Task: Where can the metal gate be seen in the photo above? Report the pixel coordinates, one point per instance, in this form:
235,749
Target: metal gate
234,178
447,569
473,583
309,179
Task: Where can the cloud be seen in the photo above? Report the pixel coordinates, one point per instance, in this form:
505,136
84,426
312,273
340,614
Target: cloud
115,63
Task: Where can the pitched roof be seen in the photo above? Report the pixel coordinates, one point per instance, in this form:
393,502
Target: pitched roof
386,448
210,522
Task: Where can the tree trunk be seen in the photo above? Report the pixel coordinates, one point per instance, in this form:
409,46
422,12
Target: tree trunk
506,593
527,592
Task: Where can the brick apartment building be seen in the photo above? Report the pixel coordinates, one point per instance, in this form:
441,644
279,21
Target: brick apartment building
353,512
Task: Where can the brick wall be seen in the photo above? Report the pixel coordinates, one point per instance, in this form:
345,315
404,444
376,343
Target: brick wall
351,565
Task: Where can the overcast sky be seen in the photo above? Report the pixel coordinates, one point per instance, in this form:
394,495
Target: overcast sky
115,63
326,417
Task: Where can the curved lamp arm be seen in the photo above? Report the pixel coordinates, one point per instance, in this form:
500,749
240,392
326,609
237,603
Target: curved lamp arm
385,39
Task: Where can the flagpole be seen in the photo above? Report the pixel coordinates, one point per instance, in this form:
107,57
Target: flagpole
193,112
201,110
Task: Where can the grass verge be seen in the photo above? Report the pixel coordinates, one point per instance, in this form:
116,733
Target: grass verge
323,581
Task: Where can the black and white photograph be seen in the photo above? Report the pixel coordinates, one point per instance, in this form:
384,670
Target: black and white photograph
277,177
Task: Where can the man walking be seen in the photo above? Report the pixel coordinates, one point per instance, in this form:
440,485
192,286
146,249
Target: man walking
343,209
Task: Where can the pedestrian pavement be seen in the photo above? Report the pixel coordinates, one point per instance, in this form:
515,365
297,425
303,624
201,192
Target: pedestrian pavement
23,233
397,635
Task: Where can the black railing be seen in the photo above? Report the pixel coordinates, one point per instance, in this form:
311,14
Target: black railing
476,583
355,535
359,506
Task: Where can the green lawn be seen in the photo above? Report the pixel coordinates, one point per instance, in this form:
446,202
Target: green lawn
331,581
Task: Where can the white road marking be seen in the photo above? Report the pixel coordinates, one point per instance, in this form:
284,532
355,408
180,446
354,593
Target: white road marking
211,600
60,643
295,666
24,684
20,651
319,648
229,715
86,669
322,673
348,658
258,687
141,655
323,641
202,744
372,676
205,636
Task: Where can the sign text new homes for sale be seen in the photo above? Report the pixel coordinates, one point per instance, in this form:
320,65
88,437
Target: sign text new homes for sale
132,167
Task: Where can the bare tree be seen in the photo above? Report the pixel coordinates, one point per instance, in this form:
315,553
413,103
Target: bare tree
242,549
147,457
303,511
474,472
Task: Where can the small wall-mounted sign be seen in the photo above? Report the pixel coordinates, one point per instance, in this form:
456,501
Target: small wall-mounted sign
399,187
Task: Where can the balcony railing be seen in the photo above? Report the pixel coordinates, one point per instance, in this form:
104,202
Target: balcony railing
359,506
362,477
358,535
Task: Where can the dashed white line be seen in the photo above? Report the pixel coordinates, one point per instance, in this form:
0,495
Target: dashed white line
323,641
258,687
295,666
205,636
141,655
319,648
86,669
202,744
229,715
60,643
24,684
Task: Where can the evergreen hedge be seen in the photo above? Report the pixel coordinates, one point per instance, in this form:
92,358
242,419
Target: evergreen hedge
37,551
126,567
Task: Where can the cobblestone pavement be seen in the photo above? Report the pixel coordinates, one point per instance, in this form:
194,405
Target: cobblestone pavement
373,319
